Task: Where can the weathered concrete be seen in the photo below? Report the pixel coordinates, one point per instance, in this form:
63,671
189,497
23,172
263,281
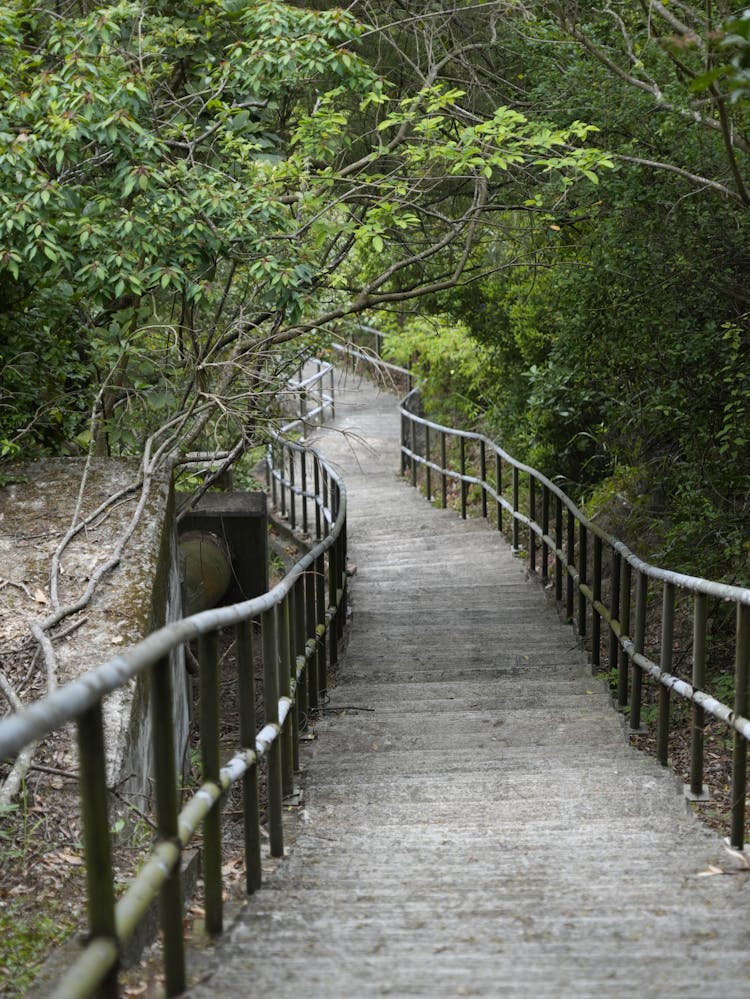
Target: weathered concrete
482,829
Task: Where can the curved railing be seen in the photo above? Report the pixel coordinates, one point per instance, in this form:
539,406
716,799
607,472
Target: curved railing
606,589
582,561
298,623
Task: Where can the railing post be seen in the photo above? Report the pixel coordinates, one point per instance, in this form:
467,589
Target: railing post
292,497
641,593
271,711
332,588
96,836
321,680
413,449
545,534
483,475
667,641
299,652
318,498
428,470
462,467
311,635
499,489
283,478
246,698
284,664
570,558
532,523
167,801
700,622
739,743
211,764
583,576
303,487
516,534
443,466
403,443
624,617
596,621
558,549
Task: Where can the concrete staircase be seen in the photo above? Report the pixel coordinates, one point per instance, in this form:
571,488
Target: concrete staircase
474,822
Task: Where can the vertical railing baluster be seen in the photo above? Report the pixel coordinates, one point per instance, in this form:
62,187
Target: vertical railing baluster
624,616
558,550
294,691
667,642
462,466
532,523
341,562
311,635
739,743
96,836
303,487
318,499
641,593
428,470
299,652
331,596
283,478
272,449
404,426
613,653
292,496
326,525
413,449
583,576
444,467
211,764
271,711
596,621
167,806
320,605
499,489
570,558
483,475
284,681
545,534
700,623
516,525
250,809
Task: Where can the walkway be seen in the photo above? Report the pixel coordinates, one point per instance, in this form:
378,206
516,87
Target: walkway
482,829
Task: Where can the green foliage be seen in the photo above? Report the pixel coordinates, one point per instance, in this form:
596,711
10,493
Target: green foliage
458,375
187,187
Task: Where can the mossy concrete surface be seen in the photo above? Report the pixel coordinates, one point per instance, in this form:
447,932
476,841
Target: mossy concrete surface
142,593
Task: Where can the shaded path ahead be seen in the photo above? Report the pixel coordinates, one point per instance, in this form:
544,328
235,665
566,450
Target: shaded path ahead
483,829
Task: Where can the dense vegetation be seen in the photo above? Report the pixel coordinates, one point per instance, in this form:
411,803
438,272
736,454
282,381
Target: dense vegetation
194,194
610,347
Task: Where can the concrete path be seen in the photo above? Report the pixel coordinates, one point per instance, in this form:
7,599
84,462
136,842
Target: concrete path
479,827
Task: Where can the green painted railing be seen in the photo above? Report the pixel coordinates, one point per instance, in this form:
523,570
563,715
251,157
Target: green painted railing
298,624
606,590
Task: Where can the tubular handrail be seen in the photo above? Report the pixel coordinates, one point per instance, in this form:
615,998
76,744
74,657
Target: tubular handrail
301,621
301,387
558,537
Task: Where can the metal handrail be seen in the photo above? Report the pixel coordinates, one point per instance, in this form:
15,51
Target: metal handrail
561,536
301,620
318,386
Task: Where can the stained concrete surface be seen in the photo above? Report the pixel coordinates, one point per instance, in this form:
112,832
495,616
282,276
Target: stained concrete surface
475,824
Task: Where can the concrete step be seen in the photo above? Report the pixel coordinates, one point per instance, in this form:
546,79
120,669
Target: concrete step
483,828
